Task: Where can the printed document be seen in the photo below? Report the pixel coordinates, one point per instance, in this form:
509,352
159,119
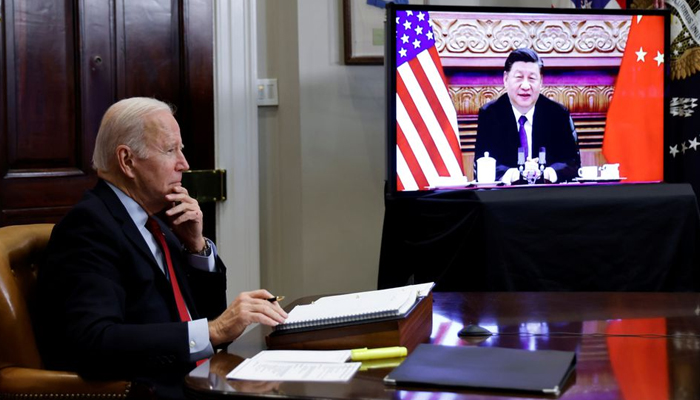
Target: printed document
318,356
260,370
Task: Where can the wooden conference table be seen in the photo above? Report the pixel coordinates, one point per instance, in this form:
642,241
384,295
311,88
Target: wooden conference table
629,346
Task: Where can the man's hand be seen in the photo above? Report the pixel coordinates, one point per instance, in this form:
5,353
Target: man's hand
510,176
551,175
247,308
186,219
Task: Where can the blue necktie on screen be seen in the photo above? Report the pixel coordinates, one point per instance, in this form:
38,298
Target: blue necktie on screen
523,135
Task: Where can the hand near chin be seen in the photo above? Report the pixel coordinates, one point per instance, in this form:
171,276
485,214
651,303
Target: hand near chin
185,219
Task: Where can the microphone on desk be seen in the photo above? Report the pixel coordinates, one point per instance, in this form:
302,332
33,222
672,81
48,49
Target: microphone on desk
542,160
521,163
521,159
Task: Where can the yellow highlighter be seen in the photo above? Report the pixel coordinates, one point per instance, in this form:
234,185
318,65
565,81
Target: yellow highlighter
378,353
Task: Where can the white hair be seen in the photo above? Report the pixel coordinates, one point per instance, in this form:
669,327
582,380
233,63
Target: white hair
123,124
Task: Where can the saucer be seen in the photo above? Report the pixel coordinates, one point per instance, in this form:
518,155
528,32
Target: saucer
485,184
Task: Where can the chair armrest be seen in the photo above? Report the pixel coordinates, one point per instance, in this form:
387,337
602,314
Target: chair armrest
59,384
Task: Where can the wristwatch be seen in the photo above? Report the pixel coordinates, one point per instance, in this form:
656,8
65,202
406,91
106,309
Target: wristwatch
204,252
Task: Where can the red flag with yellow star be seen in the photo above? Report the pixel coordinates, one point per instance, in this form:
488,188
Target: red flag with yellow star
635,121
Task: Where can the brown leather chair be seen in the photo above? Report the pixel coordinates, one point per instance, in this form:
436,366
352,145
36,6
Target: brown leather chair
22,373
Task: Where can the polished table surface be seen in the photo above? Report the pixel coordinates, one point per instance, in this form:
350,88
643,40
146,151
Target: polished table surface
629,346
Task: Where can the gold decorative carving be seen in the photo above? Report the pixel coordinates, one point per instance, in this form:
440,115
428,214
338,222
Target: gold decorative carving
578,99
457,34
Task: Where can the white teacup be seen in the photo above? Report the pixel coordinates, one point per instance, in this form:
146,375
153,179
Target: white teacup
588,172
610,171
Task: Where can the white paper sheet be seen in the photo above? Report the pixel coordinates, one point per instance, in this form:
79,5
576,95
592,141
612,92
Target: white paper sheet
319,356
256,370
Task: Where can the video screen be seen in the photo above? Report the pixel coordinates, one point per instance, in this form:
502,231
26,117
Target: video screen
481,97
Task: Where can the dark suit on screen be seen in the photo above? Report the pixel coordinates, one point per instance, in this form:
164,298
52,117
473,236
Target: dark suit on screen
552,128
108,309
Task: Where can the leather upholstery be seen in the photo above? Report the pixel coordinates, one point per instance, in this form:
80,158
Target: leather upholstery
22,374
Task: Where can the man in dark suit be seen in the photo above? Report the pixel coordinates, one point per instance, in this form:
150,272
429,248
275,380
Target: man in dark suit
130,288
523,118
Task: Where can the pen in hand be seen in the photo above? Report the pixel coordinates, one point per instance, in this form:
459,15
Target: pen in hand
275,298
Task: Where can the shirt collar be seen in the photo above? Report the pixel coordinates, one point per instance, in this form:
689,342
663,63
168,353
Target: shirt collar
136,212
529,114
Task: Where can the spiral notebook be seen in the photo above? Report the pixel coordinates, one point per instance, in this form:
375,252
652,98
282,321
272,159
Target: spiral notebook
354,307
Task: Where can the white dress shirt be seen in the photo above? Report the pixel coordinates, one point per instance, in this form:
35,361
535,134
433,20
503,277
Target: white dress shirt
528,126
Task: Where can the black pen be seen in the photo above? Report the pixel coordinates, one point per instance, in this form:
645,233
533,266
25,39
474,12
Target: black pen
276,298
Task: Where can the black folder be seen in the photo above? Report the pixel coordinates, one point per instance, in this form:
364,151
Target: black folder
543,371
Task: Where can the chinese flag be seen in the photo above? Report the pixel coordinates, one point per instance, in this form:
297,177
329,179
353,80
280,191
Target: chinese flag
634,128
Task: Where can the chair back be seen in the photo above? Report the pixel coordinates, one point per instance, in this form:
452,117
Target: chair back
21,249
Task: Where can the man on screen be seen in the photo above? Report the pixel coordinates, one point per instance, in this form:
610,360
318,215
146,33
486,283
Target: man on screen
524,119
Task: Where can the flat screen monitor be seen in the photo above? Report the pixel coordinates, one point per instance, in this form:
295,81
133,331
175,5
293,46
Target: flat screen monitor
484,96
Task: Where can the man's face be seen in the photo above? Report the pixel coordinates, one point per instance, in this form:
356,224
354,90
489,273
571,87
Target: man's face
161,171
523,83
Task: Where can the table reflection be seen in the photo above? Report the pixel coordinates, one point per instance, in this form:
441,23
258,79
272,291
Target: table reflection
619,356
629,346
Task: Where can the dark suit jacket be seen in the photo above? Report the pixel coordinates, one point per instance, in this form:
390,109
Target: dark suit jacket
106,309
552,128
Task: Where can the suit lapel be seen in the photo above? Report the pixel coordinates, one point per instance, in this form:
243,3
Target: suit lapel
509,124
538,125
132,233
107,195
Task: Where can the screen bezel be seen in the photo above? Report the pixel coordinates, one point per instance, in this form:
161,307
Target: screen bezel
390,71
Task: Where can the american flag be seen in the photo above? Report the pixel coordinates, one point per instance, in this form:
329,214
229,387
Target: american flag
589,3
428,154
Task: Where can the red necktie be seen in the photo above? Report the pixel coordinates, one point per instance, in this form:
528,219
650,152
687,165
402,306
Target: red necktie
154,228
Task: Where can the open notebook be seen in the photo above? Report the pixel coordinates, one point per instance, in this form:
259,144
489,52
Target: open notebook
354,307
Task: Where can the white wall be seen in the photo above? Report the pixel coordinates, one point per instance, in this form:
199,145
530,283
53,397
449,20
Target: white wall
322,151
321,154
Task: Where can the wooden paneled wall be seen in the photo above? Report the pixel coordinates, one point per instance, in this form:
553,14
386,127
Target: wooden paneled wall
64,62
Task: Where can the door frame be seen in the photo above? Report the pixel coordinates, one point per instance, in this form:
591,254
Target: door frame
236,142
